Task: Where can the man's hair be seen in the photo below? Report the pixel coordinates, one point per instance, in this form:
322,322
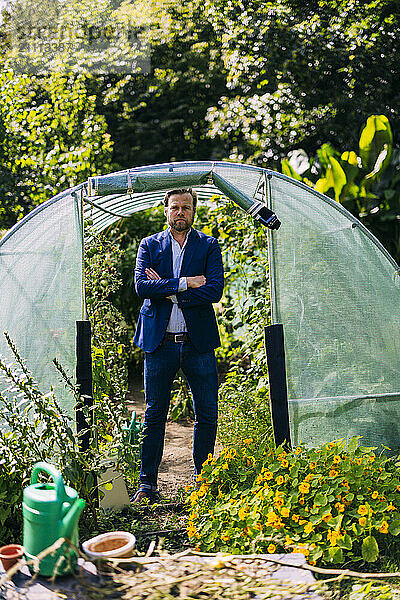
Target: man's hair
179,192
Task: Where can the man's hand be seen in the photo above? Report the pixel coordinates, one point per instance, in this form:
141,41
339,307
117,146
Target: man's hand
192,282
195,282
152,274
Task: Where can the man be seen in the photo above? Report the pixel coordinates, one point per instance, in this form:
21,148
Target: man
178,274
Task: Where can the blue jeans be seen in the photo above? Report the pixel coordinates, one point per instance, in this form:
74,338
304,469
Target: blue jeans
160,369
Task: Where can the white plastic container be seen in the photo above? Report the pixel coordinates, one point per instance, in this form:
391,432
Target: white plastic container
114,544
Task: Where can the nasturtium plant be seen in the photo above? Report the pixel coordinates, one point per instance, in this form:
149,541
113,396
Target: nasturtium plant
336,503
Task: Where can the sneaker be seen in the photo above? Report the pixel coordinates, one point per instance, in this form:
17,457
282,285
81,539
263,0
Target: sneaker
146,497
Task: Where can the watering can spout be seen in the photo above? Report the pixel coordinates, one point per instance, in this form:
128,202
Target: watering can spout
71,519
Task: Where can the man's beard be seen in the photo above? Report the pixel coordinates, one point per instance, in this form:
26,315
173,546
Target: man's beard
180,224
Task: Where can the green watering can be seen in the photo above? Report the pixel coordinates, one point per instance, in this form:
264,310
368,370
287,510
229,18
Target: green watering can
51,511
133,430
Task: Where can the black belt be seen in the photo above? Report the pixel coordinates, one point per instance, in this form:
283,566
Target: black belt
178,338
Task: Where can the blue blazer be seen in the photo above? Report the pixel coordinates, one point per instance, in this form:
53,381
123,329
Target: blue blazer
202,257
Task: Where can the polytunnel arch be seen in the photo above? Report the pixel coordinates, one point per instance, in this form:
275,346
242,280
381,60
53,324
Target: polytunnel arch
333,287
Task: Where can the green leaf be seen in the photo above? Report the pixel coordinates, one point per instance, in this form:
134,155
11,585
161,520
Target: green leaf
370,549
338,176
320,500
345,542
394,527
381,163
325,153
336,554
376,134
353,444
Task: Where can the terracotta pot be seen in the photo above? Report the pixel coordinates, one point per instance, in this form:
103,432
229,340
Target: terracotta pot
10,555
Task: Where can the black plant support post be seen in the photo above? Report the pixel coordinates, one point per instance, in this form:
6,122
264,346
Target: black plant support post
84,379
275,349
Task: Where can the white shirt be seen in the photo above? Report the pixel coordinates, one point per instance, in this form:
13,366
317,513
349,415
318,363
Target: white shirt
176,322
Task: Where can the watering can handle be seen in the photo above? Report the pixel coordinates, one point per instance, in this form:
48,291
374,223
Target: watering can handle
54,474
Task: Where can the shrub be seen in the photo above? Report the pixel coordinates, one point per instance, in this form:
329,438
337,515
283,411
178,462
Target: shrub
335,503
34,429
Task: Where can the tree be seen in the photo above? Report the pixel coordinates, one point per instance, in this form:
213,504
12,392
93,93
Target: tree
50,139
302,73
160,116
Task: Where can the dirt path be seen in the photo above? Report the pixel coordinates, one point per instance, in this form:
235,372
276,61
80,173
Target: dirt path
177,465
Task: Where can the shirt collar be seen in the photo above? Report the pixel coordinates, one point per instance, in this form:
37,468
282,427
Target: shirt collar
174,240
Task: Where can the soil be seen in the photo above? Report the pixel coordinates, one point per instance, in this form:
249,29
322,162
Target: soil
176,469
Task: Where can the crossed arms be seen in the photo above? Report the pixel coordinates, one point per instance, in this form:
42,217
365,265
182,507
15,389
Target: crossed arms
202,289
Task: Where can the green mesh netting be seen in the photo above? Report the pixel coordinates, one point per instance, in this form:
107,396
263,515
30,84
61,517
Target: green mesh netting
334,288
41,292
336,291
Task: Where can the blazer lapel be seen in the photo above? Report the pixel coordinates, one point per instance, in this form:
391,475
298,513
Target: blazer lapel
190,249
166,249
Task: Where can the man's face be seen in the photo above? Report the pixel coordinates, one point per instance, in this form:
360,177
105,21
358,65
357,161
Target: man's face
179,212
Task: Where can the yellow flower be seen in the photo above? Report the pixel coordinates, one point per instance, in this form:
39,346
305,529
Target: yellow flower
362,521
268,475
332,537
288,540
301,549
271,518
242,512
391,506
295,518
278,502
302,521
247,441
271,548
301,500
340,507
372,457
304,487
193,498
384,528
327,517
336,460
285,464
298,450
362,510
398,488
308,528
251,461
312,465
257,526
309,477
333,473
225,537
374,495
281,456
280,479
285,512
225,466
259,479
191,529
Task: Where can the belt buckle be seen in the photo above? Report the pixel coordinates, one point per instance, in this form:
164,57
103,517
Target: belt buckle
179,338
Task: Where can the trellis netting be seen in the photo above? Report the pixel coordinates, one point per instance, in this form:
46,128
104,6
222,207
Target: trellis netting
333,287
41,292
336,292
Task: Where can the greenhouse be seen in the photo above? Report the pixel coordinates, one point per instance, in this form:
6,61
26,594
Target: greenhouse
334,289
